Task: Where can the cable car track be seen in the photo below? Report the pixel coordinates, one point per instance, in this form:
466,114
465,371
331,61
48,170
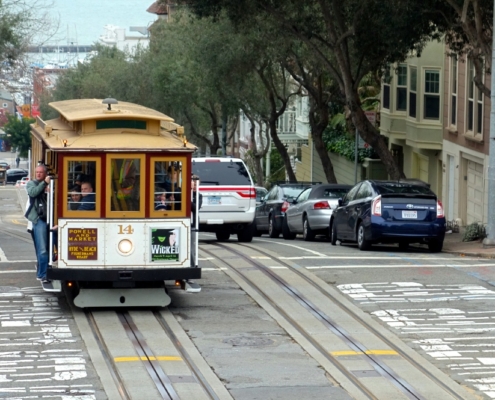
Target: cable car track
17,235
332,325
149,360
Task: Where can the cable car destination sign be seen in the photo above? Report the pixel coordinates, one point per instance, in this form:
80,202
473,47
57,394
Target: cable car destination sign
82,244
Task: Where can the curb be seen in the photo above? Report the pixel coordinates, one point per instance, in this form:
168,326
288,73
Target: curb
470,254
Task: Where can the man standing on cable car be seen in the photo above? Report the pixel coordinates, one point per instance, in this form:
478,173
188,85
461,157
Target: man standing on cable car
37,214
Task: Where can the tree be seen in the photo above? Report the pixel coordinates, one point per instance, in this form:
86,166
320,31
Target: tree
18,132
346,40
468,28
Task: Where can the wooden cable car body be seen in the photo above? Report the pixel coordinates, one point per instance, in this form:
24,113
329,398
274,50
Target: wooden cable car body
128,228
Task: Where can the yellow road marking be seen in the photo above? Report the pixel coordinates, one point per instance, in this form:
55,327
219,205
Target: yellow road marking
159,358
14,221
370,352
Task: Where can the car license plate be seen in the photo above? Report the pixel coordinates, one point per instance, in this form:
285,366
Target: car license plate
410,214
214,200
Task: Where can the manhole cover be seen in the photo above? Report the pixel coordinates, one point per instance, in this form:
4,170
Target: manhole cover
249,341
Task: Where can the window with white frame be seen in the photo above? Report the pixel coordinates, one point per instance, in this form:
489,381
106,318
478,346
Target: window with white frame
453,91
474,104
401,88
413,80
432,94
387,79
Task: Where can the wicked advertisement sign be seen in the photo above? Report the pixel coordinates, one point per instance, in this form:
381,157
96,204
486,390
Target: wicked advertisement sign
165,245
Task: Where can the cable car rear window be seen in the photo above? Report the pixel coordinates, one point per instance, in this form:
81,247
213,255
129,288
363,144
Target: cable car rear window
221,173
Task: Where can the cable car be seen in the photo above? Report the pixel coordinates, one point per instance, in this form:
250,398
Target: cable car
119,203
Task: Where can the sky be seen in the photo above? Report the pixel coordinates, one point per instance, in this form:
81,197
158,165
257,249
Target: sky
83,21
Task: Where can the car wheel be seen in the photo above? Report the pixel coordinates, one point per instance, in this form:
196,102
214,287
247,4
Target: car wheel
223,236
435,246
286,233
246,235
333,234
363,244
273,232
308,233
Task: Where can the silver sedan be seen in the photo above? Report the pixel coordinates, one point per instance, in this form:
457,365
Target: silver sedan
310,213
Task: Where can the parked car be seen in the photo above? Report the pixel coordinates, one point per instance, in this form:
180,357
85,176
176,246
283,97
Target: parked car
260,194
16,174
400,212
229,197
22,182
4,165
310,213
270,213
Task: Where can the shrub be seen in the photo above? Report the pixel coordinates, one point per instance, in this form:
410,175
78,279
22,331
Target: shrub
474,231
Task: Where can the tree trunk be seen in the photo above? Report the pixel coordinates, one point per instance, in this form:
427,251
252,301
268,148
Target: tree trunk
282,150
317,128
256,156
372,136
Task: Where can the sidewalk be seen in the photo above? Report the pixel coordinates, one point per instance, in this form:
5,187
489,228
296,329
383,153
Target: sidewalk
453,244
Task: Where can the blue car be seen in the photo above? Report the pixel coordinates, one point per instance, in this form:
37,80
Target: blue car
400,212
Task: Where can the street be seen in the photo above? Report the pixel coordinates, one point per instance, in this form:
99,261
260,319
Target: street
437,306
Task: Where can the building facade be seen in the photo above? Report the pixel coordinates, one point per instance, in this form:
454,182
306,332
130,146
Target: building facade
411,114
465,143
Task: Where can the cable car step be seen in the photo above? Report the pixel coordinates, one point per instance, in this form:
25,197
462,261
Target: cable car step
190,286
52,286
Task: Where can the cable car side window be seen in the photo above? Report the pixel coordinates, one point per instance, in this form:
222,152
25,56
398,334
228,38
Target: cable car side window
81,187
125,184
169,186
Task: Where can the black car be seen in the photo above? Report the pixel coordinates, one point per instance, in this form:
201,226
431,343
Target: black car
400,212
270,213
15,174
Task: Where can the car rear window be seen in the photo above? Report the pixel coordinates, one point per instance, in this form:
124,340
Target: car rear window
335,193
292,192
222,173
403,188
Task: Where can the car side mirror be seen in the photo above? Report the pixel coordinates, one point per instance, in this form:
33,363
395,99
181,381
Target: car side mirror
340,202
294,201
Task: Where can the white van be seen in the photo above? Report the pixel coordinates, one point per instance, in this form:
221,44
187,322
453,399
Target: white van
229,197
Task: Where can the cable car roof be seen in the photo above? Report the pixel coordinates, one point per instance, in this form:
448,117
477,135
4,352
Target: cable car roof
84,109
87,124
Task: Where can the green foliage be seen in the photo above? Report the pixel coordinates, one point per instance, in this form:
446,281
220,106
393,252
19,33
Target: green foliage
474,231
339,142
18,133
277,168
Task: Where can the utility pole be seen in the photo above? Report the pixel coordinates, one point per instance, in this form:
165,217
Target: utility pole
489,241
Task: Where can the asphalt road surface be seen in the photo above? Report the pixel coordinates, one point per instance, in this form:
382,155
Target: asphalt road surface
438,306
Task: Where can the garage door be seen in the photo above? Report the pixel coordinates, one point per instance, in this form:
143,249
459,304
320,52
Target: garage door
474,192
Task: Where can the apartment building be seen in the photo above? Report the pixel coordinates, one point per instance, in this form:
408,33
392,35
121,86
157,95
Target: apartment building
412,114
466,116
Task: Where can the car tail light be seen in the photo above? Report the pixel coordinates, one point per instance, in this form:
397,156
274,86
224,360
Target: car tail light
376,207
285,206
321,205
440,212
247,193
